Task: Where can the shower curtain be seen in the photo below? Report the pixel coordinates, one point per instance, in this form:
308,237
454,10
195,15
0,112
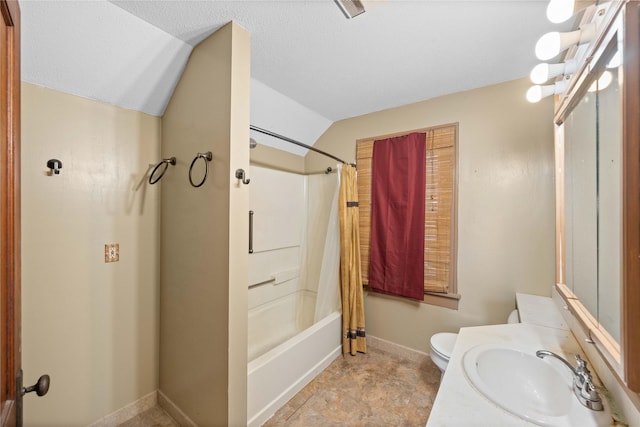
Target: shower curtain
327,300
353,328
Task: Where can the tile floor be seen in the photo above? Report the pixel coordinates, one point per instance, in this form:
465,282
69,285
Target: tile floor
375,389
154,417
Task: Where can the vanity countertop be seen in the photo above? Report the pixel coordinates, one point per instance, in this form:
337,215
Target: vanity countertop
539,311
459,404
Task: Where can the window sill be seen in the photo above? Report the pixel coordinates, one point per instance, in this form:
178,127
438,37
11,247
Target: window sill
442,300
432,298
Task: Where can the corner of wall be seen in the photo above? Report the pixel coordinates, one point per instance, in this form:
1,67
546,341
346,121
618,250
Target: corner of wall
203,254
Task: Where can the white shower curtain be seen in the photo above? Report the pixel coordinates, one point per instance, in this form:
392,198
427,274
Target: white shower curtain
328,297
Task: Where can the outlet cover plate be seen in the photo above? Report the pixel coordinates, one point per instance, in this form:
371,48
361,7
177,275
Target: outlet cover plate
112,252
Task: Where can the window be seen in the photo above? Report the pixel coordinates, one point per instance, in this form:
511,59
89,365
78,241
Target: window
440,225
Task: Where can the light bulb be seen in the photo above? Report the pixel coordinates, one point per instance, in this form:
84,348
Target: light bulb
534,94
540,73
560,10
551,44
548,46
543,72
537,92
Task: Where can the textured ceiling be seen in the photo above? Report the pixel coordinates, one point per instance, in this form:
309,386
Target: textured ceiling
131,53
398,53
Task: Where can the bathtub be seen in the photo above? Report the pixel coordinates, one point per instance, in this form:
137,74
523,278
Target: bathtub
276,376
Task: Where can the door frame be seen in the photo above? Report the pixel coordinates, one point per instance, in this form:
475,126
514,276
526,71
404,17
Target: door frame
10,235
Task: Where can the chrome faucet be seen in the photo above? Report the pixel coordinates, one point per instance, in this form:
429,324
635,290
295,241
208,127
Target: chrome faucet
583,387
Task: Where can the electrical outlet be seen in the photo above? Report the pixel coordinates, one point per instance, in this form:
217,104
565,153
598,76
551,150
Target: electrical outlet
112,252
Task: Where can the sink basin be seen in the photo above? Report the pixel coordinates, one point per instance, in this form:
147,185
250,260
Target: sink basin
528,387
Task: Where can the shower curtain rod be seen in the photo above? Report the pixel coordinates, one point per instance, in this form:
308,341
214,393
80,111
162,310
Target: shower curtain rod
293,141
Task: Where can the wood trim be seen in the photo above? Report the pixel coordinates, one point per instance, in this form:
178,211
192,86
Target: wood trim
581,81
623,357
451,297
453,289
631,200
450,301
560,203
421,130
441,300
605,343
11,236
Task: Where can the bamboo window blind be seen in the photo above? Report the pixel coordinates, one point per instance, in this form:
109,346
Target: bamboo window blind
440,206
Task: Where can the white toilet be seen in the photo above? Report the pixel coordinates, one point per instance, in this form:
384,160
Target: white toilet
442,344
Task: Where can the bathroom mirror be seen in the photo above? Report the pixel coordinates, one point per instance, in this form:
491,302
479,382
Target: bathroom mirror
597,187
593,205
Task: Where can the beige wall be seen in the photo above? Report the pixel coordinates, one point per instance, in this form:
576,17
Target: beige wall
505,207
273,158
203,338
92,326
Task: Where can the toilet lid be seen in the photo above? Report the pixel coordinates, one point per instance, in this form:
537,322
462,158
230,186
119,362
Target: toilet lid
443,343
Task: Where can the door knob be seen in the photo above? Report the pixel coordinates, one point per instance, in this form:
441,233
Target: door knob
41,387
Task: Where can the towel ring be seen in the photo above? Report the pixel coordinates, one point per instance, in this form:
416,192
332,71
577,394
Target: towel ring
165,163
208,156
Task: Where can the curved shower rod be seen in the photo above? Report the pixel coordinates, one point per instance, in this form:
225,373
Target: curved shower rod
293,141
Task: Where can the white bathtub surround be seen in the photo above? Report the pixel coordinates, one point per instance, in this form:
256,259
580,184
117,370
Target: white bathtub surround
284,311
127,412
294,269
276,291
176,413
294,328
276,376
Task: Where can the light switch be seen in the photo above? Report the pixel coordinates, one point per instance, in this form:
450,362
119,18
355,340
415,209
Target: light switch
112,252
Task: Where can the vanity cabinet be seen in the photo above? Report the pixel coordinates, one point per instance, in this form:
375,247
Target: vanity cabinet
597,142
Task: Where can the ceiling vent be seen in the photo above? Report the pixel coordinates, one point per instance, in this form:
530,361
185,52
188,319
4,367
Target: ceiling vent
350,8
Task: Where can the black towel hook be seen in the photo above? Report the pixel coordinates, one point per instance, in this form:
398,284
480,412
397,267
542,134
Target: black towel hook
55,165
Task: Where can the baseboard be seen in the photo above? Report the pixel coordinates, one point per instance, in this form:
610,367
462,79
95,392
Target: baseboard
174,411
126,413
397,349
158,398
268,411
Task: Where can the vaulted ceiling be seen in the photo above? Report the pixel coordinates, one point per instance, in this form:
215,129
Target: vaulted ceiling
307,58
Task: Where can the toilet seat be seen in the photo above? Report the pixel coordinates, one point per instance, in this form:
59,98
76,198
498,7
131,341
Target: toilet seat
442,344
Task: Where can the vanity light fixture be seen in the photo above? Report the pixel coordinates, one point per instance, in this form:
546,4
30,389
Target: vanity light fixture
551,44
537,92
560,10
541,73
350,8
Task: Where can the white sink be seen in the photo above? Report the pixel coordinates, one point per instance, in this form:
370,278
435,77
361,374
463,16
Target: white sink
528,387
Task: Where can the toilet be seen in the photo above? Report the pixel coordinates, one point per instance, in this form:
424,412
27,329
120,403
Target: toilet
442,344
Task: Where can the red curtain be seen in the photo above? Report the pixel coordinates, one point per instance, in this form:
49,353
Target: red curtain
397,216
